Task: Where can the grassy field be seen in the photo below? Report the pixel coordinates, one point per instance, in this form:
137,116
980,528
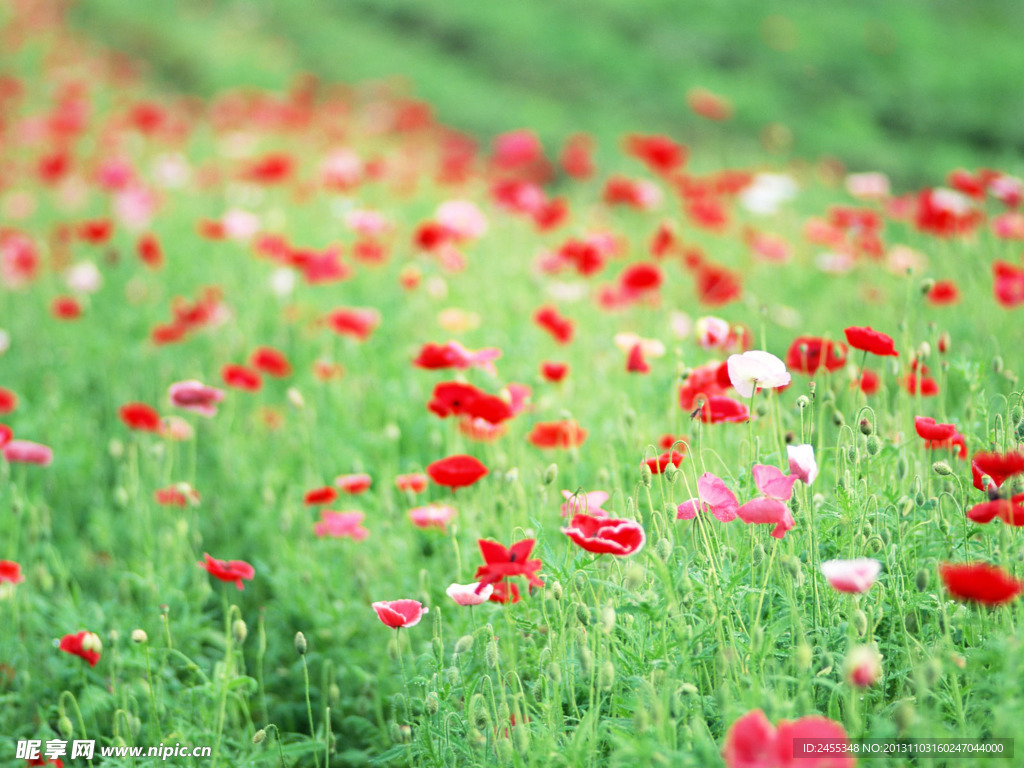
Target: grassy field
151,238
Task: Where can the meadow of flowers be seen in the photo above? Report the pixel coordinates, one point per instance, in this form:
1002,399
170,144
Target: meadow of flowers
332,436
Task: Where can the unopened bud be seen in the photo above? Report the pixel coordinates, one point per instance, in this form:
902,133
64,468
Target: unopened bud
550,474
645,474
874,445
997,364
905,716
139,636
944,342
239,631
65,727
926,285
803,402
663,549
491,654
804,657
866,427
606,676
259,736
295,398
942,468
921,580
859,620
300,644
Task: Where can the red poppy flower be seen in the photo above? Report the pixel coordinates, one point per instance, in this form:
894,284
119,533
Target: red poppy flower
943,293
939,436
659,464
400,613
149,251
874,342
554,372
716,410
354,484
489,408
228,570
450,398
501,563
1010,511
10,572
96,231
752,742
807,354
240,377
8,400
640,278
917,379
635,363
996,466
457,471
1009,284
549,319
504,592
716,286
141,417
323,495
86,645
357,323
869,382
66,308
271,362
415,482
272,168
174,496
659,153
604,535
979,583
576,158
6,435
557,434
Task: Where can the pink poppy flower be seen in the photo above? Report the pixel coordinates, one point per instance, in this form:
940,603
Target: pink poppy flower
752,742
27,452
195,396
353,484
589,503
466,594
432,516
400,613
604,535
340,525
714,497
802,464
851,575
863,666
770,508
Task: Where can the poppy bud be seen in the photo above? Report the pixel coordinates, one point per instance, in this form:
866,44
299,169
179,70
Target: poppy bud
997,364
672,475
762,409
926,286
582,613
554,672
851,454
910,623
837,419
139,636
802,402
924,350
905,716
804,657
432,704
757,556
550,474
239,631
663,549
634,577
645,475
452,676
921,580
556,590
504,713
1016,415
505,750
629,417
944,342
115,448
859,620
942,468
792,565
866,427
300,644
464,645
259,736
491,654
608,618
438,648
586,661
689,689
65,727
874,445
606,676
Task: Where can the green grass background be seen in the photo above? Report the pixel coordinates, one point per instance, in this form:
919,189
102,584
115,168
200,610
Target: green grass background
913,88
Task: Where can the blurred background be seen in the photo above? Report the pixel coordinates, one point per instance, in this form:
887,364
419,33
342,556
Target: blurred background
913,88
